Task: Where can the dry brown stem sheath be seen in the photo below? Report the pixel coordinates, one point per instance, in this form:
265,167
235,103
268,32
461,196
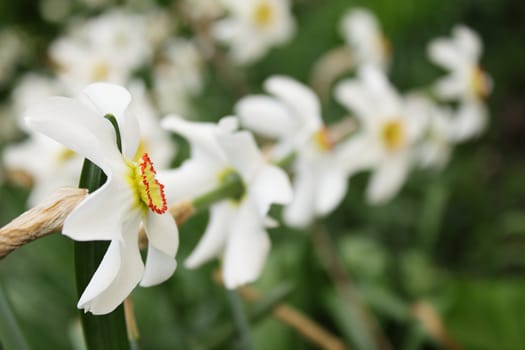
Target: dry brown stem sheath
40,221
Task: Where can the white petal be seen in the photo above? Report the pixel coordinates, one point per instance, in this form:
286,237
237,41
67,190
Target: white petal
113,99
298,97
387,180
300,212
162,232
357,153
385,97
470,121
270,185
468,41
159,267
77,127
450,87
129,274
190,180
444,53
246,249
214,238
353,95
201,137
242,152
331,189
265,115
100,216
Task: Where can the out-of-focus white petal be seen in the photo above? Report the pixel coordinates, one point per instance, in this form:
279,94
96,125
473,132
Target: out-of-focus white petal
270,185
242,152
387,179
246,250
201,137
128,276
470,120
468,42
265,115
159,267
357,153
444,53
450,87
300,212
108,206
331,188
162,232
353,95
213,241
77,127
385,97
302,100
190,180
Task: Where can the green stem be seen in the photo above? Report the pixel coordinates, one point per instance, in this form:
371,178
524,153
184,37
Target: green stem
242,325
11,337
104,331
231,187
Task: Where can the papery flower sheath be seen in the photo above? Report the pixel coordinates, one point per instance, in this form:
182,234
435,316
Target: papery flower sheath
236,229
293,118
131,194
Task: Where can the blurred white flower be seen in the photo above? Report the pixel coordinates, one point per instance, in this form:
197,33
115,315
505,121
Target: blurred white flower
236,229
177,76
203,9
106,48
363,34
390,127
466,82
130,195
436,145
293,117
254,26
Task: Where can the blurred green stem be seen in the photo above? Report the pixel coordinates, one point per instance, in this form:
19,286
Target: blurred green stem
11,337
241,321
330,260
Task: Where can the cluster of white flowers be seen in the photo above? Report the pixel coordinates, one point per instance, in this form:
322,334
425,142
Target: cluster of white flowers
395,133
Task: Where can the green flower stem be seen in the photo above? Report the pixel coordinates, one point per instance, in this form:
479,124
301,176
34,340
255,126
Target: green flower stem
11,337
231,187
242,325
104,331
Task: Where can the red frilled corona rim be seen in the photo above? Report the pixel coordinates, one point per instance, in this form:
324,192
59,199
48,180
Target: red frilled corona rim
154,190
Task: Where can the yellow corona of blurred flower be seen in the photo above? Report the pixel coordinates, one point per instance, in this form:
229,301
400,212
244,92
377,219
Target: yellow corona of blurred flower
131,195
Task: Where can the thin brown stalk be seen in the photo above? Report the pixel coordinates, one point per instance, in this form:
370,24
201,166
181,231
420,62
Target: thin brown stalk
431,321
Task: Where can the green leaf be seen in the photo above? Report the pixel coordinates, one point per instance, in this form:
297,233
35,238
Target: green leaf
11,337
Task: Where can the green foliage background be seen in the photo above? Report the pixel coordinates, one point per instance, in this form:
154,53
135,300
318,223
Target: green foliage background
455,238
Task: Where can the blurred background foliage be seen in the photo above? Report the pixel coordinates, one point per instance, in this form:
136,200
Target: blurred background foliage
455,238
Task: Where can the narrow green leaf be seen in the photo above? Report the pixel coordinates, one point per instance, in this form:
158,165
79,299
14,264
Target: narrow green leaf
11,337
104,331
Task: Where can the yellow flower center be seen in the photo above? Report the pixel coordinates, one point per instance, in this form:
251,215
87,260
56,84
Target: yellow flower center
323,140
263,14
479,83
100,71
148,190
393,135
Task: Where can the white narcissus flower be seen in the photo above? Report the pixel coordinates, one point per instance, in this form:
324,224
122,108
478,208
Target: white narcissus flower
236,229
293,117
466,82
131,194
390,127
106,48
254,26
363,34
